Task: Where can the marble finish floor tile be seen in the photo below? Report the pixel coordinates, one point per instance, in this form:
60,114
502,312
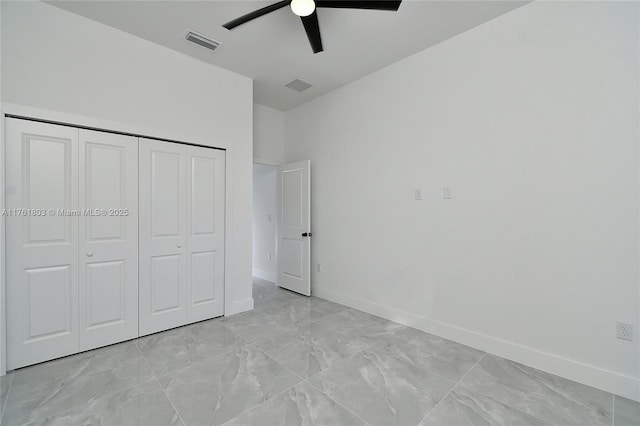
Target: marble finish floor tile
543,395
79,364
307,311
349,319
175,349
374,333
279,341
253,325
5,384
250,369
300,405
145,405
215,391
626,412
324,309
40,391
464,408
266,293
381,389
449,359
310,350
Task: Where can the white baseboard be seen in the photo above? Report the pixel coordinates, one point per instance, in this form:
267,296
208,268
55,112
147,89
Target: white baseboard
268,276
240,306
607,380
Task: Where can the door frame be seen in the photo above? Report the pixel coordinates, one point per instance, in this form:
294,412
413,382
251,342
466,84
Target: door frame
75,120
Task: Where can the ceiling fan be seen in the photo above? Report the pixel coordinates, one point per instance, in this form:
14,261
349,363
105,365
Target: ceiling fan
306,10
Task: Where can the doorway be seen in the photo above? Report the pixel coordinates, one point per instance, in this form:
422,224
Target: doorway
265,222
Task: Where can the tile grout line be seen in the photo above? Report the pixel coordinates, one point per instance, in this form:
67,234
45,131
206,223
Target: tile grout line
452,388
220,355
369,347
343,360
455,384
280,364
337,403
79,375
274,396
613,410
155,376
483,395
458,383
245,345
4,405
302,380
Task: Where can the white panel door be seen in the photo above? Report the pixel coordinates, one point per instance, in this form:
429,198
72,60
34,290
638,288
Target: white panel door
163,236
108,236
41,242
294,245
205,225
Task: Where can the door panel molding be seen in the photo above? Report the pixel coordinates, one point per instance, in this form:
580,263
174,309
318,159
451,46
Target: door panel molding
108,243
193,205
294,220
42,250
205,233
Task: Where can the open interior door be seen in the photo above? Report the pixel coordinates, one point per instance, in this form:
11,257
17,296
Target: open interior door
294,240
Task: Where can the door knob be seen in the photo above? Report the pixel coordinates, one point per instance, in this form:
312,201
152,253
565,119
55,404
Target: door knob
306,234
179,245
89,254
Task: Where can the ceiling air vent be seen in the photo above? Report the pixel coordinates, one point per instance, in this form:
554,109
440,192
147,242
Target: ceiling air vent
202,40
298,85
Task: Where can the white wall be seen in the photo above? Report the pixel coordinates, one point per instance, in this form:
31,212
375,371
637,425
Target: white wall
532,120
268,135
58,61
265,219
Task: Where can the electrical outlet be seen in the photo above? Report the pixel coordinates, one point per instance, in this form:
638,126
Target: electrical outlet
417,194
318,267
624,331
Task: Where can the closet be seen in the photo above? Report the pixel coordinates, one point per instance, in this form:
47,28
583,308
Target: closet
108,237
181,234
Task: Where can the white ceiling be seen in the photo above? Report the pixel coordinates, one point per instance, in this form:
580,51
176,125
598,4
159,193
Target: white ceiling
274,49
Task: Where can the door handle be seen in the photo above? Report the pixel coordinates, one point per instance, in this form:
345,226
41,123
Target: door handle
179,245
89,254
306,234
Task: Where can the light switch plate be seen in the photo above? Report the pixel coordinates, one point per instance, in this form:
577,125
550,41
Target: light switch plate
418,194
446,193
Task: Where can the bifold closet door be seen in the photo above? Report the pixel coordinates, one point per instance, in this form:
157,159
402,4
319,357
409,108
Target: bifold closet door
163,236
205,233
72,240
108,238
181,234
41,242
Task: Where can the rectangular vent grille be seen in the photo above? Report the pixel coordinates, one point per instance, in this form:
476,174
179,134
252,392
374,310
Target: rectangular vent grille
298,85
202,40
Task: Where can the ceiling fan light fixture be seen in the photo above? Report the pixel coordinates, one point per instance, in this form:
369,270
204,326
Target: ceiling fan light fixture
303,7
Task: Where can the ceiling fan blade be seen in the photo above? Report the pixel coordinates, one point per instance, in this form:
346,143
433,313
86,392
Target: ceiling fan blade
370,4
312,28
256,14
